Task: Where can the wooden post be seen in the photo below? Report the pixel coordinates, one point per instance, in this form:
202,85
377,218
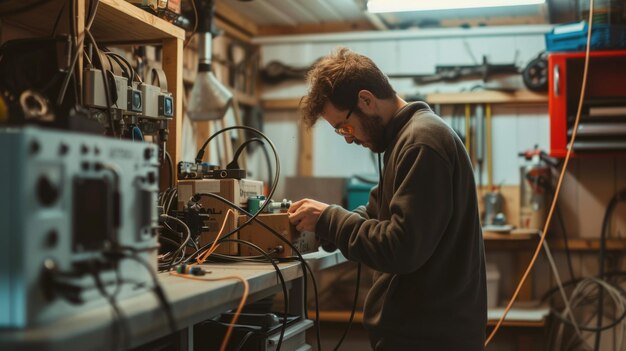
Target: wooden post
173,68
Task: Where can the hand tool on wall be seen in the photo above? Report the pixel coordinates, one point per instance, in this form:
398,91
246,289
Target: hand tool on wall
480,141
468,129
489,145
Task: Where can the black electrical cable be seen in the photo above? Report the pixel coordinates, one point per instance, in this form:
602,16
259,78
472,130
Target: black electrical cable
125,71
173,194
119,332
234,164
105,81
559,217
245,338
175,259
568,254
57,20
168,159
548,294
274,184
216,257
354,303
272,188
128,65
282,283
158,289
588,328
306,266
199,157
184,244
620,195
78,44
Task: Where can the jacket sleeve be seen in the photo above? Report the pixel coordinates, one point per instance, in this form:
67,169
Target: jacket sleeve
419,212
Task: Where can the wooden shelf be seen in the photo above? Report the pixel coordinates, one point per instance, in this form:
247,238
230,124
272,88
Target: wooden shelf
531,318
478,97
117,21
488,97
280,104
499,241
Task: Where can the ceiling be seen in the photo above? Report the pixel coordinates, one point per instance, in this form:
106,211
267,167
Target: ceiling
294,13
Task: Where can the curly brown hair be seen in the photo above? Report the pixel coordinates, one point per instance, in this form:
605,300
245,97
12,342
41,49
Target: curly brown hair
338,78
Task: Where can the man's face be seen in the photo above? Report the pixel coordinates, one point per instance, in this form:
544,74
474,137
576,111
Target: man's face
356,127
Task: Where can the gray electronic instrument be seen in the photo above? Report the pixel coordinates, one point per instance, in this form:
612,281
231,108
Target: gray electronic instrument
76,211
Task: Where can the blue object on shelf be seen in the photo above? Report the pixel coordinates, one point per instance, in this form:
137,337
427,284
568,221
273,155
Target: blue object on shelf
573,37
358,193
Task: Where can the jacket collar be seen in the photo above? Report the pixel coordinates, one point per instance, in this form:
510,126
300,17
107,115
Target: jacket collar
401,118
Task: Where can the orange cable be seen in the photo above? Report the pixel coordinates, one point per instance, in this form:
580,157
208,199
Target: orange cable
242,302
210,250
558,186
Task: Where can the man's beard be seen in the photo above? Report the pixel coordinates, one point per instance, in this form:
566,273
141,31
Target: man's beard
373,126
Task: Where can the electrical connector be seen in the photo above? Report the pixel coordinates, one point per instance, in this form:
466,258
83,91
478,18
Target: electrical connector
191,270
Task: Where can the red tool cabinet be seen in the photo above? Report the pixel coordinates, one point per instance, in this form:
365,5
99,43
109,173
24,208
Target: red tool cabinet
603,118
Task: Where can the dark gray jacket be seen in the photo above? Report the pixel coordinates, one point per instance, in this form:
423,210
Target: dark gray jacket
423,238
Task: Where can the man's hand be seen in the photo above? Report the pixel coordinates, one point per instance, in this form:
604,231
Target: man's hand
305,213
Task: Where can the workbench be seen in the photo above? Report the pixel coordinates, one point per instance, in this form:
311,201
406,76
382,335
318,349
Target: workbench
191,302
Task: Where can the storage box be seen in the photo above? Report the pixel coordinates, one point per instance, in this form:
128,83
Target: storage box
573,37
358,193
260,236
234,190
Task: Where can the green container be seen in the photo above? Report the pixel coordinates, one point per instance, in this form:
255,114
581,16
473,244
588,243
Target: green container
358,193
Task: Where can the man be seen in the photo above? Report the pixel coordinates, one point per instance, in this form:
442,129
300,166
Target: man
420,230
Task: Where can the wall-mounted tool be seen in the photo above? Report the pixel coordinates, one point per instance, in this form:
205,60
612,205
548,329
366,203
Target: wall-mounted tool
535,178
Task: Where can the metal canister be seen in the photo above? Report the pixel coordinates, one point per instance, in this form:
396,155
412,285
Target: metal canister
493,203
534,185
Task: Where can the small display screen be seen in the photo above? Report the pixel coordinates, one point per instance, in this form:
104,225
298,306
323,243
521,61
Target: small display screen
92,213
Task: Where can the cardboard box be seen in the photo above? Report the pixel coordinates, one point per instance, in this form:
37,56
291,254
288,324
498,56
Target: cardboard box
235,190
260,236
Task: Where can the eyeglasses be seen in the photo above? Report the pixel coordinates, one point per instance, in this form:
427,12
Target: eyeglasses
346,130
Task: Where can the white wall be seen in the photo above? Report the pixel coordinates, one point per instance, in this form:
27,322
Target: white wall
589,184
516,128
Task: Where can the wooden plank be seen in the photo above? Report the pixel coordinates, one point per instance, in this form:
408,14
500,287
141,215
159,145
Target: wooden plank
522,258
246,99
588,244
39,21
115,20
521,241
308,28
233,31
118,19
280,104
173,68
344,316
493,97
80,29
375,20
228,14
